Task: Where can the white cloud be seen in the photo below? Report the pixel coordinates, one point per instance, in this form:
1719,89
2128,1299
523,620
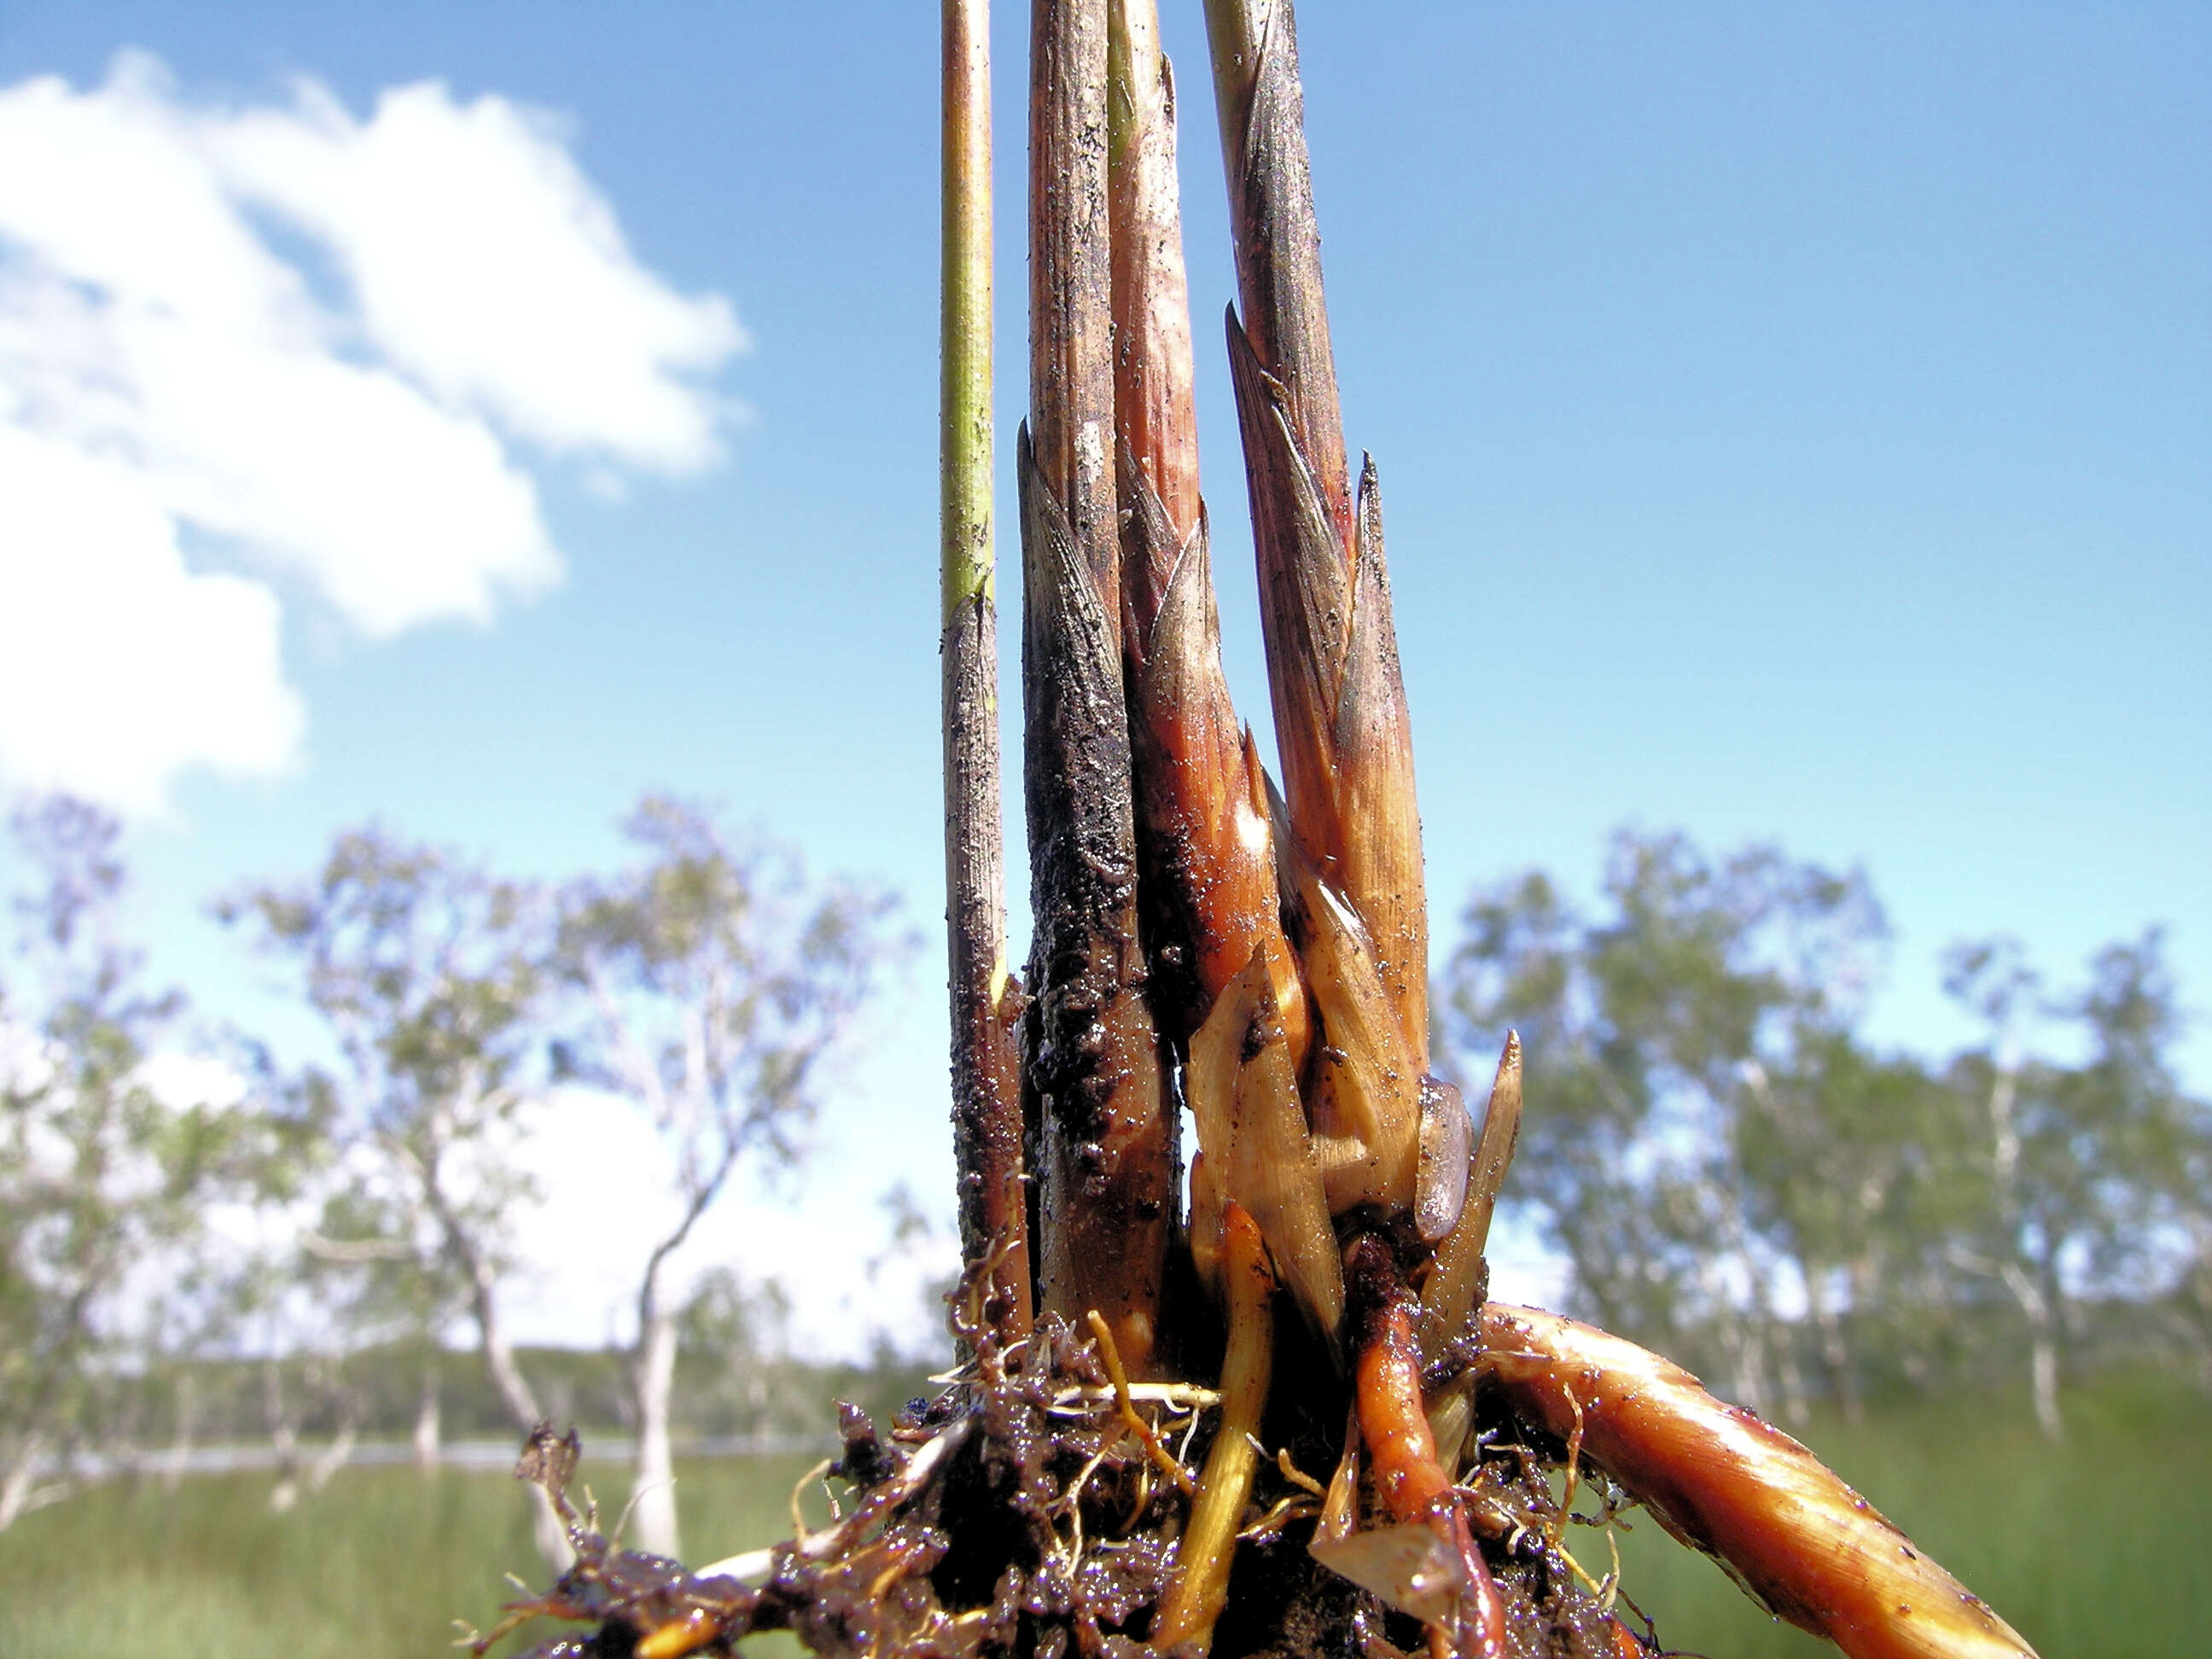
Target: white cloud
473,243
177,360
119,667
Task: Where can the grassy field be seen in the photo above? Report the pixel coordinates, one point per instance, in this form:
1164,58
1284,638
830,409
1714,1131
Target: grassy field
379,1563
2095,1548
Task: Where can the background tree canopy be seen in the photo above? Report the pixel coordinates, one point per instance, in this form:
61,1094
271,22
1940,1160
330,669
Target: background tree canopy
1735,1177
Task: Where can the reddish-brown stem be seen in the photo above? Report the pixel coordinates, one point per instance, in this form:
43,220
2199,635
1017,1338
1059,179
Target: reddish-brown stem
1209,872
1414,1488
1154,411
1332,673
1812,1549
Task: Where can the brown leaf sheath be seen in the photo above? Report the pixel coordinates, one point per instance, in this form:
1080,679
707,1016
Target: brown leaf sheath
1207,843
1071,317
1305,596
986,1105
1341,719
1254,44
1154,410
1283,371
1803,1543
1209,880
1378,817
1332,669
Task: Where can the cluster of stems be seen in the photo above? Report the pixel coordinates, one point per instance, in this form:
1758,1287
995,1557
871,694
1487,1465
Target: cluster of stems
1200,937
1262,955
1197,936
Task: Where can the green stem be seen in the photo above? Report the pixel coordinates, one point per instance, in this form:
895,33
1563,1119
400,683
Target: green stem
965,410
986,1108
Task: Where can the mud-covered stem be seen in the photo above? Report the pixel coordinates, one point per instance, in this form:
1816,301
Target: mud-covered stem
986,1079
1103,1143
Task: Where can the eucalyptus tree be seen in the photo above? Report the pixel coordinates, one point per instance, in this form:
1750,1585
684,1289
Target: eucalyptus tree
2078,1175
711,988
2152,1198
368,1264
104,1174
428,972
1684,1044
1840,1150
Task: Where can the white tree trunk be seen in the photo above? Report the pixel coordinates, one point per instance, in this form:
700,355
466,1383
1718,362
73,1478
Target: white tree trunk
427,1423
283,1436
2045,1366
2040,1307
15,1490
652,1493
181,1442
514,1391
506,1377
2042,1347
332,1458
1835,1350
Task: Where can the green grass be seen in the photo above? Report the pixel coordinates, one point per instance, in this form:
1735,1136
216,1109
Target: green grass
378,1563
2093,1548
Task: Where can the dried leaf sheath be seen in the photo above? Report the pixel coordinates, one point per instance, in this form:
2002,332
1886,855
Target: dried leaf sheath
1378,845
1305,593
986,1108
1208,855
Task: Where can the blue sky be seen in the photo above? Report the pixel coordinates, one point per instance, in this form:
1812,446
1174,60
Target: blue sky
1795,423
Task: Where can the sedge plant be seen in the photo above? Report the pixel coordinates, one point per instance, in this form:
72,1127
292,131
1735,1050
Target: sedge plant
1256,1400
